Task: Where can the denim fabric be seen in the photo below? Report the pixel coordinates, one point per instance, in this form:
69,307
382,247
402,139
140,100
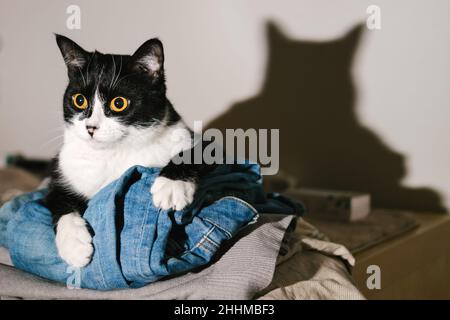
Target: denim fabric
134,242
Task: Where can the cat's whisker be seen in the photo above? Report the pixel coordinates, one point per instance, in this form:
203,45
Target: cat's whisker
57,137
161,122
52,140
114,72
118,74
54,147
126,76
57,127
120,70
82,76
89,63
57,131
101,73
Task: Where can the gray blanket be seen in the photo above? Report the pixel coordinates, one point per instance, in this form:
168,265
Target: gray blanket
243,268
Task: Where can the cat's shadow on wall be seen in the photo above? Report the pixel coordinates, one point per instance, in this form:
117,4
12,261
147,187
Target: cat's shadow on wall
309,94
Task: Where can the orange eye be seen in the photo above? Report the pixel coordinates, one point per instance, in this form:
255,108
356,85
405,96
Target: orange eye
79,101
118,104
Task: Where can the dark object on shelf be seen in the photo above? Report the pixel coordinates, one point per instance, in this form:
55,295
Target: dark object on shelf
38,167
346,206
279,182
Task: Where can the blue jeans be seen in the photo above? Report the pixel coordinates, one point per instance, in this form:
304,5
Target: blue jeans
134,242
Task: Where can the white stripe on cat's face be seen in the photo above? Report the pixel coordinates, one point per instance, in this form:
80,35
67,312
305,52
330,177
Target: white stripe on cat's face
98,114
99,129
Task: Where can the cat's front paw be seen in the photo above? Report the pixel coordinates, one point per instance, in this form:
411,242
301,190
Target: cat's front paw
73,240
172,194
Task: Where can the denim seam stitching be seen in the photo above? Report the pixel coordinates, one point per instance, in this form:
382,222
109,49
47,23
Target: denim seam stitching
200,243
248,205
219,227
137,261
242,202
100,267
215,244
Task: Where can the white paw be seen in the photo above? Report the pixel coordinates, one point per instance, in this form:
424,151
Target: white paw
73,240
172,194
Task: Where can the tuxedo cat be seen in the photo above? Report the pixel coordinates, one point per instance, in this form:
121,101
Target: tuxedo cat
116,116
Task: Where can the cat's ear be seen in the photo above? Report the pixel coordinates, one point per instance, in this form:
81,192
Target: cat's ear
149,58
74,56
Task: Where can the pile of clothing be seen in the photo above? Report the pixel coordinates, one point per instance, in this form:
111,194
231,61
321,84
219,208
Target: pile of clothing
219,242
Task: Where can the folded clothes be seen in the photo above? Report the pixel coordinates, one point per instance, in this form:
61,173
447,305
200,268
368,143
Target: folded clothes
134,242
243,267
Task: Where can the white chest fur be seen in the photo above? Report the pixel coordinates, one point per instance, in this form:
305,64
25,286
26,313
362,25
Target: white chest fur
88,168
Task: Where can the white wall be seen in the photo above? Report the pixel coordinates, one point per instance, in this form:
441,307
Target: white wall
216,54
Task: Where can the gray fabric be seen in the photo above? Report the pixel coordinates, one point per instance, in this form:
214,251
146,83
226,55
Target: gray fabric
245,268
312,268
312,275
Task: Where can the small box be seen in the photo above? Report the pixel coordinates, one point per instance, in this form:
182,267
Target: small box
332,204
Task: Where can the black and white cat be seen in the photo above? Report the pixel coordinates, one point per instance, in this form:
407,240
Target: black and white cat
116,115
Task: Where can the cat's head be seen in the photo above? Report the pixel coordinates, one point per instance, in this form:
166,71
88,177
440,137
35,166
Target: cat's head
112,97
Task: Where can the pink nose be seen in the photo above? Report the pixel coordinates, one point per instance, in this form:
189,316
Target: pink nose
91,130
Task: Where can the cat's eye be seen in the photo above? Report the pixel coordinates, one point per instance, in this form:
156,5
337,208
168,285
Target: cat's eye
118,104
79,101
